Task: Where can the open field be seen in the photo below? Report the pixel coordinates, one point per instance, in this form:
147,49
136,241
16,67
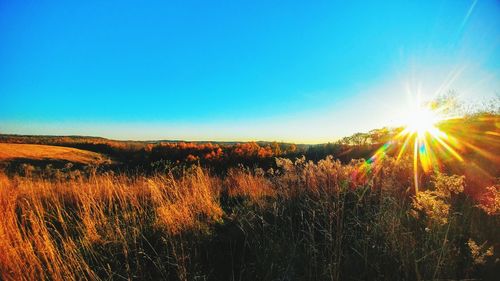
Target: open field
249,211
36,152
300,221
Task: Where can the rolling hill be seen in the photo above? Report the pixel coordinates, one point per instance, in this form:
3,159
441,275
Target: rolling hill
12,152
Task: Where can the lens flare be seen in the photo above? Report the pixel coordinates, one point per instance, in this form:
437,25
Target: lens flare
430,144
421,120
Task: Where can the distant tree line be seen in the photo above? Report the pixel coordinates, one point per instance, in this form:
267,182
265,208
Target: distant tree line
223,155
219,156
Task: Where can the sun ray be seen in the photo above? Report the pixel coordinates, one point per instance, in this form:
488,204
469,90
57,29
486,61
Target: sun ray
415,166
431,145
403,147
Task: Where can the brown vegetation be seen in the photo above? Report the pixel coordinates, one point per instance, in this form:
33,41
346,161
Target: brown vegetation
303,220
12,151
208,211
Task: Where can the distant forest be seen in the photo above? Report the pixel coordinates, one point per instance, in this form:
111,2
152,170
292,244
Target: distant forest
219,156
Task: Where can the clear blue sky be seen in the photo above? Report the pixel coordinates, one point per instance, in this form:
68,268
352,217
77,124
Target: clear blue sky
305,71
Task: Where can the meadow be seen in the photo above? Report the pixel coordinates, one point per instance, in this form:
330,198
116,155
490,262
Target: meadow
278,216
19,152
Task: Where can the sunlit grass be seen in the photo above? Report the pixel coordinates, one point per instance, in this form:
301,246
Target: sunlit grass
10,151
317,218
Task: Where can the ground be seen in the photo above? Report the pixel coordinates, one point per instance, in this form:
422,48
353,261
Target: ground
14,152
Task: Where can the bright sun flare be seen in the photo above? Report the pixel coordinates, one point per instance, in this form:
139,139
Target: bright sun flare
421,121
430,144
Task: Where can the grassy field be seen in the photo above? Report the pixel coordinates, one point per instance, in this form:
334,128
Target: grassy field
301,221
36,152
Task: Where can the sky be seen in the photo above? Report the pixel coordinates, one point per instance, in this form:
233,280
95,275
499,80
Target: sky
298,71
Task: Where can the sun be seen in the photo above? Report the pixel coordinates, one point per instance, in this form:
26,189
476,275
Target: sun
422,137
421,121
430,144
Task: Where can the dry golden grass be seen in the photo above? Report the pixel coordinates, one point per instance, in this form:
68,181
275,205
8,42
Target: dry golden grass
254,187
306,221
12,151
62,223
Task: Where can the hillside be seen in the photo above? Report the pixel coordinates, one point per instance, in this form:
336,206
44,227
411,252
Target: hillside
13,152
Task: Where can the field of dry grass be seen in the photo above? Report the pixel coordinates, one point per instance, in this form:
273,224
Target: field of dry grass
303,221
14,151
